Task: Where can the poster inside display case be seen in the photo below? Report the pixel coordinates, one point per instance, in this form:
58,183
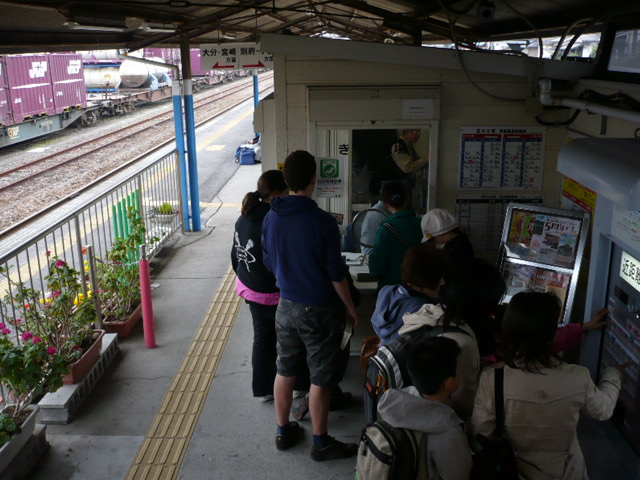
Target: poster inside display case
542,250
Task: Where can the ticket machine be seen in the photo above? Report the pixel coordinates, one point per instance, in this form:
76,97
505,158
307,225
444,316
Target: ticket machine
610,167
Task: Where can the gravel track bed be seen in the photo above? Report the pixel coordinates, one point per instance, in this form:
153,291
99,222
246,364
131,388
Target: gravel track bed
28,198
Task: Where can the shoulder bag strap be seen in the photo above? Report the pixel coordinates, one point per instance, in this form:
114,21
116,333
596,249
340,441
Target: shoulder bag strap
396,233
499,397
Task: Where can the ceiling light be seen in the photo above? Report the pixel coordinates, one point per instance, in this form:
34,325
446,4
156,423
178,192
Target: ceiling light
95,28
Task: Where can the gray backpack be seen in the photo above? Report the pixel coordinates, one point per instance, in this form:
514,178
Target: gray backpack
388,453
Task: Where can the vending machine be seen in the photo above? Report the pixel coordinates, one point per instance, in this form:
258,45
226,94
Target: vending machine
610,167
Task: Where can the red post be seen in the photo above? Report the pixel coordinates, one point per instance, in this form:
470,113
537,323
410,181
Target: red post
147,303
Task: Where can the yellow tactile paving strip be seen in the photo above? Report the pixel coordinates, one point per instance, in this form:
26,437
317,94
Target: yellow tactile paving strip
165,445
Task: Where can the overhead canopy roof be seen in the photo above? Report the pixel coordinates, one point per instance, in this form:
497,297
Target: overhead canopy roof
66,25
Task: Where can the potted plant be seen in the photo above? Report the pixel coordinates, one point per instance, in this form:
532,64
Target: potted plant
62,317
39,347
119,279
165,213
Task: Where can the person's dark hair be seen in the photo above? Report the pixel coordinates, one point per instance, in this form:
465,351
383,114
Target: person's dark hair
431,361
394,194
529,329
299,169
472,296
270,182
424,266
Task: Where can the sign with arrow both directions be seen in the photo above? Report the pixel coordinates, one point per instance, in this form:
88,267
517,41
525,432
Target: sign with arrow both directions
234,56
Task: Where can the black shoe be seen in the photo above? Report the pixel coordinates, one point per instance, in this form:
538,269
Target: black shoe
287,440
340,400
334,451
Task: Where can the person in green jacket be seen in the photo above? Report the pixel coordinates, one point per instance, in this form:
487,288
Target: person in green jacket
394,236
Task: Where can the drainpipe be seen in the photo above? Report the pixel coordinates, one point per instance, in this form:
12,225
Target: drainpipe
179,126
544,85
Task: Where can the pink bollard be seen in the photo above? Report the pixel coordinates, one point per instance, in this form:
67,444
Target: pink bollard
147,303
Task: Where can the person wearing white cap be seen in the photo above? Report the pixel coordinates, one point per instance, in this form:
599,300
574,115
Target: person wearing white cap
441,229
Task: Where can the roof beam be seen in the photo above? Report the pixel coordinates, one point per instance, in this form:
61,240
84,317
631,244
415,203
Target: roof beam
207,24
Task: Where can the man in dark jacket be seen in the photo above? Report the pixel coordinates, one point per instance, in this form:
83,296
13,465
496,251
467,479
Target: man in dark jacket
301,245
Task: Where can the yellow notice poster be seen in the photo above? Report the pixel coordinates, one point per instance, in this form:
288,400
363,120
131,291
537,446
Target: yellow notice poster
577,197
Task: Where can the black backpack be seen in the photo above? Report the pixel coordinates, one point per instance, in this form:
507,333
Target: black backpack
388,453
388,367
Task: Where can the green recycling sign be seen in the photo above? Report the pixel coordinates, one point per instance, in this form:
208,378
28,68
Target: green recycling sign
330,182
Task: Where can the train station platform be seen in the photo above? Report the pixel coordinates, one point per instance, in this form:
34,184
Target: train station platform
185,409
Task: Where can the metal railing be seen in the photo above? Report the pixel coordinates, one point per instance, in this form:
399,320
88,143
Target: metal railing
97,222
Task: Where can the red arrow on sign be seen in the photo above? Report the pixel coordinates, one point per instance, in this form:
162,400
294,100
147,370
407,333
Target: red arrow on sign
259,64
217,65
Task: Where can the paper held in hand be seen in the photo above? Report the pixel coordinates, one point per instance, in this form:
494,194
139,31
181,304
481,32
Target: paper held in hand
347,333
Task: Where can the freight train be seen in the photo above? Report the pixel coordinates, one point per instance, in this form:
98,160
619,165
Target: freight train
44,93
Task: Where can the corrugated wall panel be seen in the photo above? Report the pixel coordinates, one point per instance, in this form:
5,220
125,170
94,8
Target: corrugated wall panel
67,75
30,90
6,118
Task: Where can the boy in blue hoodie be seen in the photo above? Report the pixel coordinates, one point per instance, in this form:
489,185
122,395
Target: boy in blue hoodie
424,407
301,246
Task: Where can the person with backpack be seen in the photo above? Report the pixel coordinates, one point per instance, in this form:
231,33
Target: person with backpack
394,236
441,449
543,396
423,271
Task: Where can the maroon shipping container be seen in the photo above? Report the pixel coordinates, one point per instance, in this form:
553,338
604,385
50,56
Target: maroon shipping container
196,65
6,118
29,82
67,76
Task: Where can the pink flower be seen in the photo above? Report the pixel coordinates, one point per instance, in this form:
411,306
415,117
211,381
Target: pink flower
48,253
26,336
5,331
60,264
18,320
57,293
2,326
37,339
51,350
75,347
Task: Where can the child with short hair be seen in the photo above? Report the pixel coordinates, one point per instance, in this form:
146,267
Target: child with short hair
424,407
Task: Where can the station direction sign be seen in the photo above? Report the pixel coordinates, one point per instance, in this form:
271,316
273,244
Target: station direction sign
234,56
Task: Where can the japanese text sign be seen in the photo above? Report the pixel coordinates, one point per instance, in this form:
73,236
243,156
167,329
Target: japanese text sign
234,56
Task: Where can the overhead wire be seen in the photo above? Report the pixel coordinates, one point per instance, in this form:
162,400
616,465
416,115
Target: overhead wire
459,53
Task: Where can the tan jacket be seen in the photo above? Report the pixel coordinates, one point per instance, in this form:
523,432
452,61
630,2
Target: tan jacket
468,362
541,415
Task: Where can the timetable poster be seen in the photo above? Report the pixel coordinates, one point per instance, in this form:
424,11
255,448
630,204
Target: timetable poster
481,217
502,157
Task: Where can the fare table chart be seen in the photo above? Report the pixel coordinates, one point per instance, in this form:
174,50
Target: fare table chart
504,158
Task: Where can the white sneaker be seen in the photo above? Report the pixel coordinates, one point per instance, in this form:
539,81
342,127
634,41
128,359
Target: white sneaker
266,398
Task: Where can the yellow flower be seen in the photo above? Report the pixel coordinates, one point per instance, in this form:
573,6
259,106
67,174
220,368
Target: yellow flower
79,299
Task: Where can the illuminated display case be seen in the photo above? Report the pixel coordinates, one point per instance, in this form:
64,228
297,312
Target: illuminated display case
541,250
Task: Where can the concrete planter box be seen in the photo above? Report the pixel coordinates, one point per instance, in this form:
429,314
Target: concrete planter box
10,450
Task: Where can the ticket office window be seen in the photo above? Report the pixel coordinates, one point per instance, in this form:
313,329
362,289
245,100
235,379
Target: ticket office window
366,154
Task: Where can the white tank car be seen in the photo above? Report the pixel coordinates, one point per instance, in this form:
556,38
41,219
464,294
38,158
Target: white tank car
102,77
141,75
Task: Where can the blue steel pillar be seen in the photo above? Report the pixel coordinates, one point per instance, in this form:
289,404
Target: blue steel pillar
190,124
179,125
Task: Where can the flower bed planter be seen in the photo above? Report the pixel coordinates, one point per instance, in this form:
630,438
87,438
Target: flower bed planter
124,328
82,367
9,450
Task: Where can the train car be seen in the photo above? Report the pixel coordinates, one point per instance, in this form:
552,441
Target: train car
39,94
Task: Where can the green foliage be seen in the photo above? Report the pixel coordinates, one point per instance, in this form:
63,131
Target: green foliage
8,428
118,275
166,209
48,334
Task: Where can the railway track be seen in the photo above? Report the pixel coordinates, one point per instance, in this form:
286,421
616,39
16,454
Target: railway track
206,108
